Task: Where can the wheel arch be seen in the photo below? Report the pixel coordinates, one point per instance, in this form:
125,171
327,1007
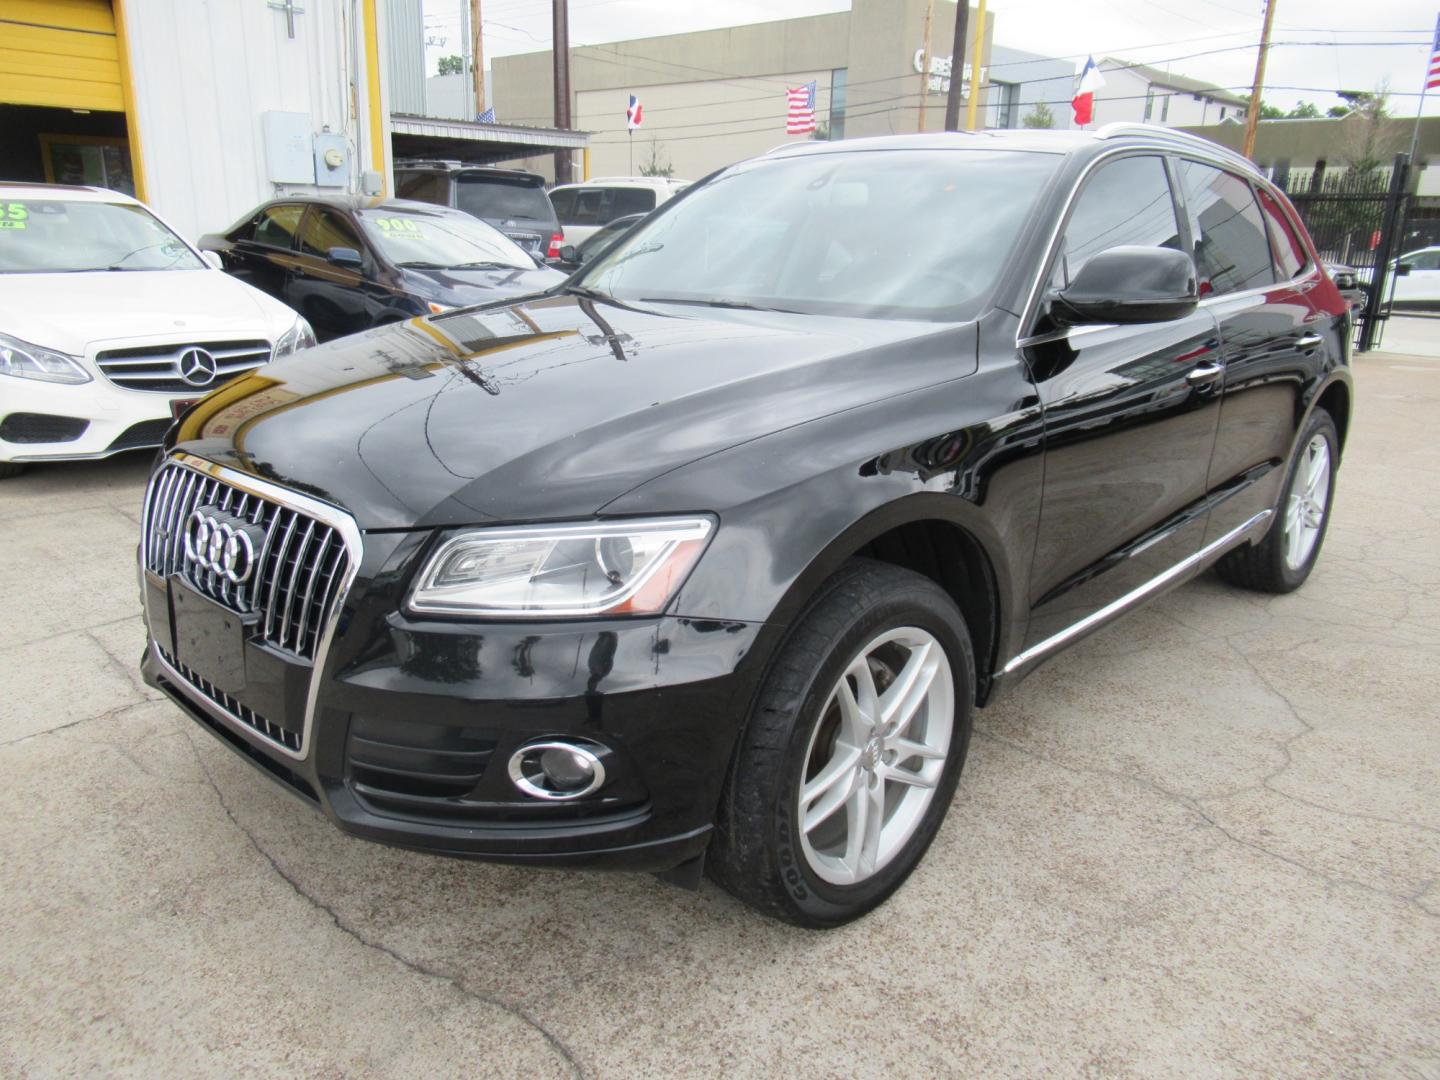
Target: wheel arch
914,533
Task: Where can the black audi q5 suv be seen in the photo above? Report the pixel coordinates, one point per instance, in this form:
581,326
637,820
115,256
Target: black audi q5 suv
702,560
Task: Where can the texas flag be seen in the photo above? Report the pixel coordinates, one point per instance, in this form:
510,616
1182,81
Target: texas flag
635,114
1083,103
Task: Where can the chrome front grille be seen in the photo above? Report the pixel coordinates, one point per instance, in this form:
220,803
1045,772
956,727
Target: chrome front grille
162,369
298,569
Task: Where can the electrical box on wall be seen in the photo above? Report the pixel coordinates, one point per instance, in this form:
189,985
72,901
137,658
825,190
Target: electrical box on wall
332,161
288,153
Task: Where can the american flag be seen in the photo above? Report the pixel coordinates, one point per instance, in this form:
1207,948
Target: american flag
1432,75
800,115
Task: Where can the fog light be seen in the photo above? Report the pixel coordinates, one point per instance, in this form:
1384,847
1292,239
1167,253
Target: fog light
556,770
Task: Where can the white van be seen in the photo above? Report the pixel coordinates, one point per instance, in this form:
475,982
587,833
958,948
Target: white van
584,208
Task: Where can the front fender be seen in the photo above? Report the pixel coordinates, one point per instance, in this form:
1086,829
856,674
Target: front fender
795,505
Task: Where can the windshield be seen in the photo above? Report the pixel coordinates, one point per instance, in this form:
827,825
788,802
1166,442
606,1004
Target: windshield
494,198
448,242
52,236
882,234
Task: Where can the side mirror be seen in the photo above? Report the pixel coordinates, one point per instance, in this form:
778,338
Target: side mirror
1403,270
1129,285
568,254
349,258
213,258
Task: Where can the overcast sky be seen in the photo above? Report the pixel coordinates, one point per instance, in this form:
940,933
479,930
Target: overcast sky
1337,41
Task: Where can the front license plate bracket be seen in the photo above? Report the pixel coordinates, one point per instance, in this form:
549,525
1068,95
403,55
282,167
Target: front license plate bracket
209,637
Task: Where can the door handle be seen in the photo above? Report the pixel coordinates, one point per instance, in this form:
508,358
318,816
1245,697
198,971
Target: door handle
1205,374
1308,341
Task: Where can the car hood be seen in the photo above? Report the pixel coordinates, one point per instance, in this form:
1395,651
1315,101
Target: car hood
550,408
460,288
70,311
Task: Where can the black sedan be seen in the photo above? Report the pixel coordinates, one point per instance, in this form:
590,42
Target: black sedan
348,263
705,557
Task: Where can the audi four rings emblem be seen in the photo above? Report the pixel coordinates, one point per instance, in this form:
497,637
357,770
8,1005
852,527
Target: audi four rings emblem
198,367
220,543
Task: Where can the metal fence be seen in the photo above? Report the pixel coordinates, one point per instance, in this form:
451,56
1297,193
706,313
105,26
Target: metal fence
1357,218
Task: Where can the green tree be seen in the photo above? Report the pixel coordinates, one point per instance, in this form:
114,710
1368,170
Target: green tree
1267,111
659,163
452,65
1303,111
1038,117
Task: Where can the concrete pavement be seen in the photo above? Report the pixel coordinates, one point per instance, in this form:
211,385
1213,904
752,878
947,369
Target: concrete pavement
1204,842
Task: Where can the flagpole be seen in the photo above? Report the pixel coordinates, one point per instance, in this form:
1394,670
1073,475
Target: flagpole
632,151
1430,63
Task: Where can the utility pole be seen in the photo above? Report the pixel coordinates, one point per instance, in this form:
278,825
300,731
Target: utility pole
560,50
974,100
477,56
957,66
925,60
1252,114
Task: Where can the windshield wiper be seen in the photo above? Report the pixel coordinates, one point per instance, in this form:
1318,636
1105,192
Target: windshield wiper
719,302
421,264
487,266
585,291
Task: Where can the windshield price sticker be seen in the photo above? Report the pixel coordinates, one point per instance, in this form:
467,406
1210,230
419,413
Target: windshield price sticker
401,225
13,215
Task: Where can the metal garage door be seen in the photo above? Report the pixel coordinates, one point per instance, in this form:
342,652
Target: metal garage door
60,53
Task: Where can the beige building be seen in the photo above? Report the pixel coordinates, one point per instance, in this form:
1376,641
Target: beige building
717,96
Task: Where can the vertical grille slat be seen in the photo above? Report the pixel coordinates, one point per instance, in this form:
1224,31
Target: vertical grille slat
290,589
293,588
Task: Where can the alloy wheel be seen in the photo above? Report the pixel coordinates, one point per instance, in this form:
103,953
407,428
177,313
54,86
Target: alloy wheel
1307,502
876,755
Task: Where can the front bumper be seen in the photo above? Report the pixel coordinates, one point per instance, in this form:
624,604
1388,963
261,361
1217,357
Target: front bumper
114,419
413,722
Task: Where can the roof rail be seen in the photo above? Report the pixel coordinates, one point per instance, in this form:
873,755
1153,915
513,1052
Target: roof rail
1120,129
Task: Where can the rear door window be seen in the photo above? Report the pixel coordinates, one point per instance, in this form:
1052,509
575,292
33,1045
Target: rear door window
501,198
631,201
1290,254
277,225
1232,249
586,206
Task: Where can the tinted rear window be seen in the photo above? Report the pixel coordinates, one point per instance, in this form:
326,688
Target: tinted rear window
423,187
494,197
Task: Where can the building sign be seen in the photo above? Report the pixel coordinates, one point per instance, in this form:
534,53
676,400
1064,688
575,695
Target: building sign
940,68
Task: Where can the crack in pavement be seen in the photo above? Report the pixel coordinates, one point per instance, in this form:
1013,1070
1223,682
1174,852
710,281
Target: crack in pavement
14,645
1194,806
455,982
119,710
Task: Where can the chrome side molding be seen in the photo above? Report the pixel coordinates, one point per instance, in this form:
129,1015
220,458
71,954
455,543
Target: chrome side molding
1136,595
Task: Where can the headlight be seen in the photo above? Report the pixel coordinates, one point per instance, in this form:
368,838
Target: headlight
550,571
26,361
298,337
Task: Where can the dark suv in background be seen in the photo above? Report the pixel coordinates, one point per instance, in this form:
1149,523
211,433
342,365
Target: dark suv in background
710,552
512,200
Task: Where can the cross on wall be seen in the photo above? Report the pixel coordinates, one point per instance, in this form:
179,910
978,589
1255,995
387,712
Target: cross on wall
291,9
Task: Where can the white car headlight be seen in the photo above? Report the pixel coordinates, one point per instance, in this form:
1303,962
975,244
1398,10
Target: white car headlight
298,337
553,571
26,361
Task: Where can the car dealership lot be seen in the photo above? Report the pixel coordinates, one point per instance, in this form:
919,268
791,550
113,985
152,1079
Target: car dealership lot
1206,840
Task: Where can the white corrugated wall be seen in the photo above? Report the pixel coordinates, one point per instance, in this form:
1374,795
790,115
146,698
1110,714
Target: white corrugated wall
206,70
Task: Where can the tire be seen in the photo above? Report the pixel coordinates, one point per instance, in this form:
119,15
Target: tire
1272,565
800,733
10,468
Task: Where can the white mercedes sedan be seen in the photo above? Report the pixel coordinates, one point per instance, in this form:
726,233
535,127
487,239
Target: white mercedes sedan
110,324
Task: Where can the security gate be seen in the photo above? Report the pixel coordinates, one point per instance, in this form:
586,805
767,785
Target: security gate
1356,218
